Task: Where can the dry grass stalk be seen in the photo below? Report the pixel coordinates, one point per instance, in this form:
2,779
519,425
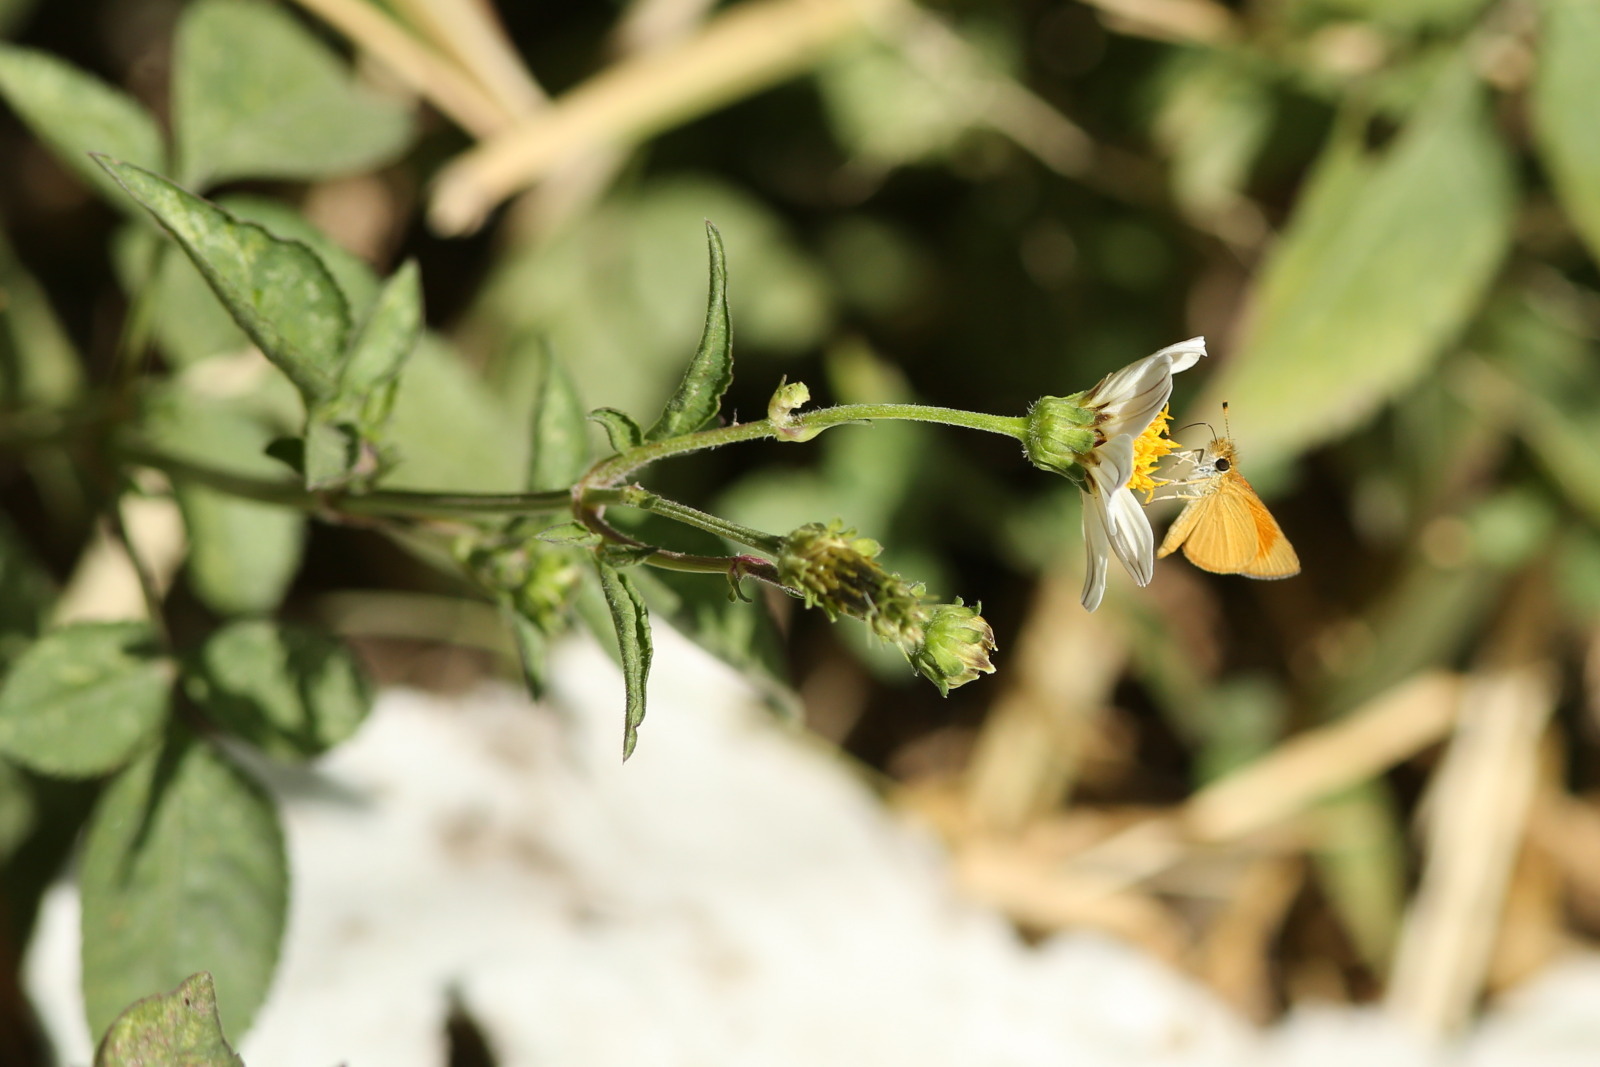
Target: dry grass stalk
1235,958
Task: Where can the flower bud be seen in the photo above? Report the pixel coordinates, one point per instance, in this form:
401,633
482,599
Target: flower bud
955,647
780,408
1060,433
837,571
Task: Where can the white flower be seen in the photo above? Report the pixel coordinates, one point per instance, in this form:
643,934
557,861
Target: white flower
1126,403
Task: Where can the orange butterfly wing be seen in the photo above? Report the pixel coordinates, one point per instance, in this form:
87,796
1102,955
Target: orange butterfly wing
1276,557
1217,531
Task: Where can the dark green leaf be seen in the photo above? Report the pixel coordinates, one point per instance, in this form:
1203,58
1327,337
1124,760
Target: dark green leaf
699,395
76,113
631,619
294,692
385,342
1563,104
1376,274
255,95
83,698
176,1029
183,870
18,812
279,292
620,428
560,431
38,364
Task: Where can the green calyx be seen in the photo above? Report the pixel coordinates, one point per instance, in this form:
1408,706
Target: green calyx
955,648
1059,434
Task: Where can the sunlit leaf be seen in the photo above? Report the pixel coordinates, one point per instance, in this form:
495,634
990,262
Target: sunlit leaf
1380,268
283,107
380,350
630,618
183,870
82,699
76,113
1563,106
176,1029
278,291
699,395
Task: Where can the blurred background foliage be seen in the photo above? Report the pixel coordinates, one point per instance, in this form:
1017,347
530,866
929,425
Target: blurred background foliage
1384,216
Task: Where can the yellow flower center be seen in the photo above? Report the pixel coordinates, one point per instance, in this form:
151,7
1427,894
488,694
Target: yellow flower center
1148,448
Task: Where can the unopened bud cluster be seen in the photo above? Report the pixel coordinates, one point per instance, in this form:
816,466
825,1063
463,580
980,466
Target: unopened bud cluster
832,569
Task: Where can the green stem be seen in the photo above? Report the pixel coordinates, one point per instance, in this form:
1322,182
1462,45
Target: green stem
635,497
799,427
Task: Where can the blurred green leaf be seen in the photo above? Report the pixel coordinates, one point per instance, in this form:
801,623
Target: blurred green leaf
242,554
560,433
1380,269
1361,865
183,870
76,113
1216,115
620,428
630,618
256,95
13,12
26,593
710,372
38,364
176,1029
449,430
1562,100
379,352
82,699
330,453
17,809
886,112
279,292
291,691
1410,15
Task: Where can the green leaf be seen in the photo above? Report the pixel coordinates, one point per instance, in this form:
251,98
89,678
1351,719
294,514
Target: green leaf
279,292
620,428
449,429
1563,101
76,113
242,554
1378,271
532,648
18,811
83,698
570,533
380,350
699,395
291,691
560,431
631,619
332,452
38,364
255,95
183,870
176,1029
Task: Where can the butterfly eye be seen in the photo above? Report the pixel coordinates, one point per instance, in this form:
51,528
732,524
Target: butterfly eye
1223,465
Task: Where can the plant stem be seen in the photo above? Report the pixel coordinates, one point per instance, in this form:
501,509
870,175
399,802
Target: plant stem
634,497
801,427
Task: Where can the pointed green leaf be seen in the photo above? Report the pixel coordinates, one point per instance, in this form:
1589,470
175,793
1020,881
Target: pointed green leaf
1563,99
183,870
291,691
256,95
631,619
76,113
699,395
570,533
1378,271
560,434
386,341
279,292
620,428
83,698
176,1029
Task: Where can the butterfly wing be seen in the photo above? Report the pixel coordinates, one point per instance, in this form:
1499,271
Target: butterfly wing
1217,531
1275,557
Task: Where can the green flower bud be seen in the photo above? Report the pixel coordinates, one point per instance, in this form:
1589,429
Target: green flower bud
789,396
836,571
955,647
1060,433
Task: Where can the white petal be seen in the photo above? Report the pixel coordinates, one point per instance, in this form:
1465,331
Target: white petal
1185,354
1131,537
1111,465
1097,540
